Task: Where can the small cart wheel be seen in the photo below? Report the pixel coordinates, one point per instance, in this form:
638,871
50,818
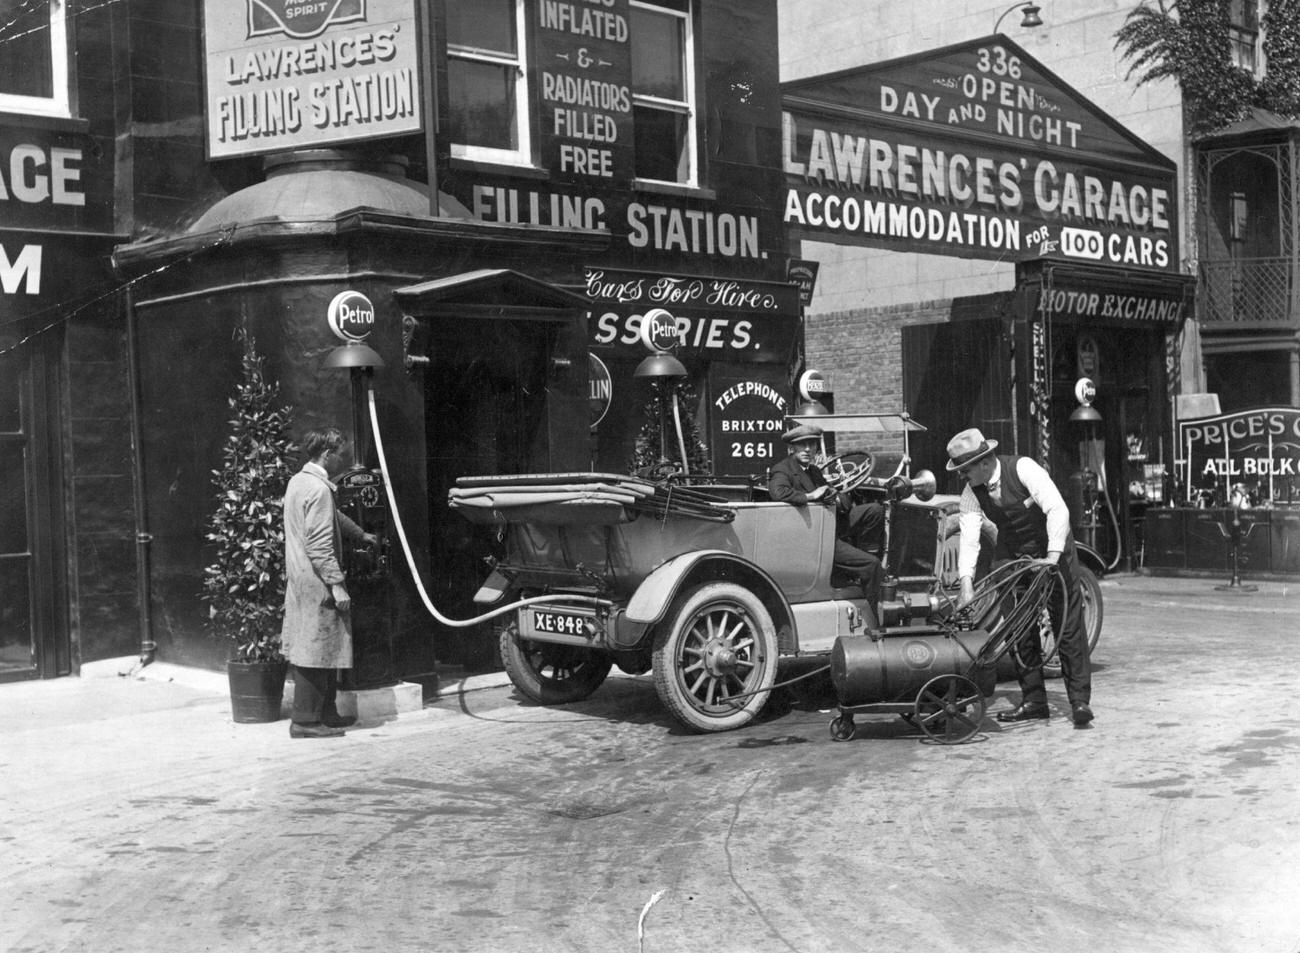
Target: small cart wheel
949,709
843,728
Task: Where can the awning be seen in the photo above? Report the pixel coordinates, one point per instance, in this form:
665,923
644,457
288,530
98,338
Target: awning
860,423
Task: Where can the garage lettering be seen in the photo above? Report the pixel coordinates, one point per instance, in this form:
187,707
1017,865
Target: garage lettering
38,176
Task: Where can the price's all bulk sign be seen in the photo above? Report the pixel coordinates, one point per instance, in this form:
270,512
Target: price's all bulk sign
975,151
1260,448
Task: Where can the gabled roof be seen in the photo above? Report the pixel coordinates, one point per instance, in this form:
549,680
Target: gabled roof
949,79
1258,124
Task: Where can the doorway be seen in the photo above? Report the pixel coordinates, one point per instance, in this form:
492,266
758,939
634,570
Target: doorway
33,634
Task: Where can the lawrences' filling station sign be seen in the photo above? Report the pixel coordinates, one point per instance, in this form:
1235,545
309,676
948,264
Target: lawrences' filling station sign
285,73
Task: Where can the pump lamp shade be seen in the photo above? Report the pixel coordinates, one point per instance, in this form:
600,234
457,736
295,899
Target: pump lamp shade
353,354
660,365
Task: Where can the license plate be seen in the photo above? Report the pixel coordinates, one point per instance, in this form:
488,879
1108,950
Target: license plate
560,623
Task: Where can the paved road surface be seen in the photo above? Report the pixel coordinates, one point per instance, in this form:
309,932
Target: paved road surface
136,817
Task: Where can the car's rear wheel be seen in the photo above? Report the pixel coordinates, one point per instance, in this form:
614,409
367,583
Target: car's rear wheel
550,673
715,657
1092,616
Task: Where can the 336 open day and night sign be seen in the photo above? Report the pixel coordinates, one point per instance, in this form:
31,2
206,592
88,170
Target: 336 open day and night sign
975,151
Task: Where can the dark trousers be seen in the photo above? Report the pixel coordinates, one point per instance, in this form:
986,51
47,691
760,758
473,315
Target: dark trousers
314,694
859,534
863,526
1076,663
866,567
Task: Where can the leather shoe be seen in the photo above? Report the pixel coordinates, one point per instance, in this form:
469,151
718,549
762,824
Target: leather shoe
313,731
1082,713
1023,712
338,721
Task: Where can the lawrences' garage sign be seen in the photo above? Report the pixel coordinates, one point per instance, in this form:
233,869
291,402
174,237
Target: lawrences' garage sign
976,151
286,73
1259,448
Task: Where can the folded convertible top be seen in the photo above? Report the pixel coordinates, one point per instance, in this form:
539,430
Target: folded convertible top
566,499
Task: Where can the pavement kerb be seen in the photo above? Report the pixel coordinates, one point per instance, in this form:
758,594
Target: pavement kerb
216,683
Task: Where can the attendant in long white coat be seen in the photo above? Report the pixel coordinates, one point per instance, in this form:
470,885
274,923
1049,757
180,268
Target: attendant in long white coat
317,633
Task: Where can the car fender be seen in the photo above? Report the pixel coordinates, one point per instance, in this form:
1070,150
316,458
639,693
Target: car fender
658,590
1090,558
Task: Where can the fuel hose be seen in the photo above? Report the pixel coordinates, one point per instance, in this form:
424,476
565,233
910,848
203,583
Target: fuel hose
410,557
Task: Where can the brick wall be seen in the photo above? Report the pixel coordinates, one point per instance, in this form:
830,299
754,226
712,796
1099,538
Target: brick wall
862,352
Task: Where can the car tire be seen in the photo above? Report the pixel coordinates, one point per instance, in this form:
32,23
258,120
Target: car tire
716,643
1092,617
550,673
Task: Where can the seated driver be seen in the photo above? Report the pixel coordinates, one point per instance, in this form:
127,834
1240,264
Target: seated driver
796,480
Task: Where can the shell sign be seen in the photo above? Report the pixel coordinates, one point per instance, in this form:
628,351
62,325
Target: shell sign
299,20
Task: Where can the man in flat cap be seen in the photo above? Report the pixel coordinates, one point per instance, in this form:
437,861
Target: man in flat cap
797,480
1018,495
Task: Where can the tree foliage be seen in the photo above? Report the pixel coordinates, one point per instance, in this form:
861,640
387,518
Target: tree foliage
1280,89
648,451
244,587
1188,41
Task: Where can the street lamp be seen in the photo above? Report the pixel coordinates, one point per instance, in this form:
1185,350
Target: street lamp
1031,18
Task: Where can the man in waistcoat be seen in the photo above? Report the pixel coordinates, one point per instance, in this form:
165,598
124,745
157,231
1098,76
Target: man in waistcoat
317,634
797,480
1018,495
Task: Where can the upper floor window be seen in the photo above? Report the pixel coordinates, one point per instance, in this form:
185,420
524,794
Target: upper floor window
34,57
663,91
1243,33
487,88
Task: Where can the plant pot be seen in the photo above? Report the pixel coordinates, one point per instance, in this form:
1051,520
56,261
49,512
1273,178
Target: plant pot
256,690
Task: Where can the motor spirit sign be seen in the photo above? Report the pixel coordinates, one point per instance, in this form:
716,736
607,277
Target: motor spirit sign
1258,448
284,74
975,151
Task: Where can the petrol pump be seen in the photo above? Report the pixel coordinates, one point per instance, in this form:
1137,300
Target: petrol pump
361,495
1089,498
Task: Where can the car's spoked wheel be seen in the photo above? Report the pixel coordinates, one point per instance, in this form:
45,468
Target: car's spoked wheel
1090,589
949,709
549,673
715,657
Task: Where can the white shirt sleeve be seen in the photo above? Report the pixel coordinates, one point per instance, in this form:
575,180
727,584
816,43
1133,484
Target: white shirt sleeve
969,519
1044,492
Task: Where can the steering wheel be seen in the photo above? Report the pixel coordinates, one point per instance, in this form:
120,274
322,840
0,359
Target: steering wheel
845,471
661,471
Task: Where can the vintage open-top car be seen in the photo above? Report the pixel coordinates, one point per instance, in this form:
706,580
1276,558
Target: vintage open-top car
710,587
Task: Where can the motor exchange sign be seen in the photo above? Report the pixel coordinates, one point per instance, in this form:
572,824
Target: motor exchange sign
975,151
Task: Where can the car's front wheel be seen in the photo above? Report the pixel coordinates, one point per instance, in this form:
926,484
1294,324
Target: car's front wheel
715,657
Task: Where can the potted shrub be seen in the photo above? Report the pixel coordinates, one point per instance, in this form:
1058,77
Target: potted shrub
244,586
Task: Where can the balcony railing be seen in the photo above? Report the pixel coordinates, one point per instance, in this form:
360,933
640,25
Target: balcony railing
1248,291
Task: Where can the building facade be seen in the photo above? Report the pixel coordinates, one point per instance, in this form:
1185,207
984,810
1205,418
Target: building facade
512,186
961,338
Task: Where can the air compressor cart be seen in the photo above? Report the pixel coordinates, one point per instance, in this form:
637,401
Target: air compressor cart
964,644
